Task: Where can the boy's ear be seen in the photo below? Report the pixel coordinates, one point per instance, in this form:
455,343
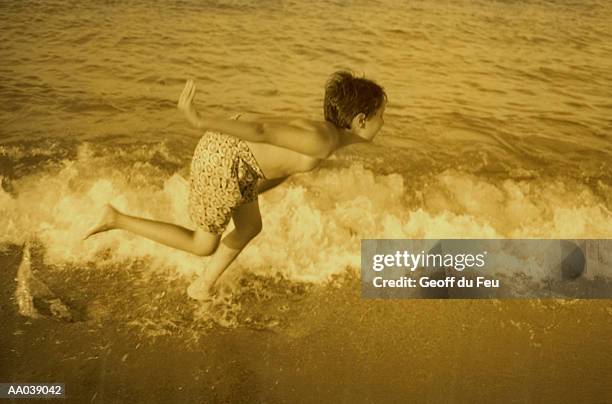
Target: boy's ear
360,119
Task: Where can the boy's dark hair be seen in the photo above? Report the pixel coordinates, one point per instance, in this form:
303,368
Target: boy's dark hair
347,95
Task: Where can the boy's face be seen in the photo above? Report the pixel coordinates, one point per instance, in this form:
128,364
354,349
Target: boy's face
371,126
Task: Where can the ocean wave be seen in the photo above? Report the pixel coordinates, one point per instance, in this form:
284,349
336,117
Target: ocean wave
313,224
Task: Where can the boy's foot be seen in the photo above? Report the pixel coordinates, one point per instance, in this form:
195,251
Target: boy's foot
199,290
106,222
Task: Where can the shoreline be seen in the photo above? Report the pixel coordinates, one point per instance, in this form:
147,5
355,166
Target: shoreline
333,346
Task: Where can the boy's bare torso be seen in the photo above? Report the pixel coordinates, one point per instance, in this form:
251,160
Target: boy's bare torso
276,161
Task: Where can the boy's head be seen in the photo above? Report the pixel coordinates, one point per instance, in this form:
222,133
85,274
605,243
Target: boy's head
354,103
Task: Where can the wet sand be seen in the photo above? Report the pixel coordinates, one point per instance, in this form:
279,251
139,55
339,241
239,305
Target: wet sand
331,346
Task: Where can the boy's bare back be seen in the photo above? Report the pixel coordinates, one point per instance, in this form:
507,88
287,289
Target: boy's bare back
279,162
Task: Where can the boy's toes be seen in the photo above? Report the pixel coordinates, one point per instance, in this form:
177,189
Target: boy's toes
199,291
99,228
106,222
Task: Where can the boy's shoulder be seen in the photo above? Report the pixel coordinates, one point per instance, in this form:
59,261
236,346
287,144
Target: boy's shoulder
306,136
317,126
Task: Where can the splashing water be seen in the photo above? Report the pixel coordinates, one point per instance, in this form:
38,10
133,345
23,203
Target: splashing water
312,225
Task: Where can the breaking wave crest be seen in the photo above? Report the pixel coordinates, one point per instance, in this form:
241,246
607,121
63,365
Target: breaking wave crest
313,224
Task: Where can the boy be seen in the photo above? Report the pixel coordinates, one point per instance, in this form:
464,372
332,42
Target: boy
237,159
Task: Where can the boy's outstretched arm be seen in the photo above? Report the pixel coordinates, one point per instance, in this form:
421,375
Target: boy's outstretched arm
296,136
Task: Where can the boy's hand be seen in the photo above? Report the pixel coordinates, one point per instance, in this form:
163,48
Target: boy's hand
185,103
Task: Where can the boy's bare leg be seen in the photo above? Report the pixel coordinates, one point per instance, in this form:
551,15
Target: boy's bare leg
247,223
196,242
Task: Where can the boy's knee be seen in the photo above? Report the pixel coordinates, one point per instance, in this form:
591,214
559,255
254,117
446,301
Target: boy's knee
252,230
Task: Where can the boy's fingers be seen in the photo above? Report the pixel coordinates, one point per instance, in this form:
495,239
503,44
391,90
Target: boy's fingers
184,92
190,94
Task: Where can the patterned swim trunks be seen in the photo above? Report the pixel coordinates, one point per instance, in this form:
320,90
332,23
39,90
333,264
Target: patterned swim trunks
224,176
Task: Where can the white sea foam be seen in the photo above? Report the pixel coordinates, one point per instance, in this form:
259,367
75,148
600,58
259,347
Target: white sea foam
312,225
